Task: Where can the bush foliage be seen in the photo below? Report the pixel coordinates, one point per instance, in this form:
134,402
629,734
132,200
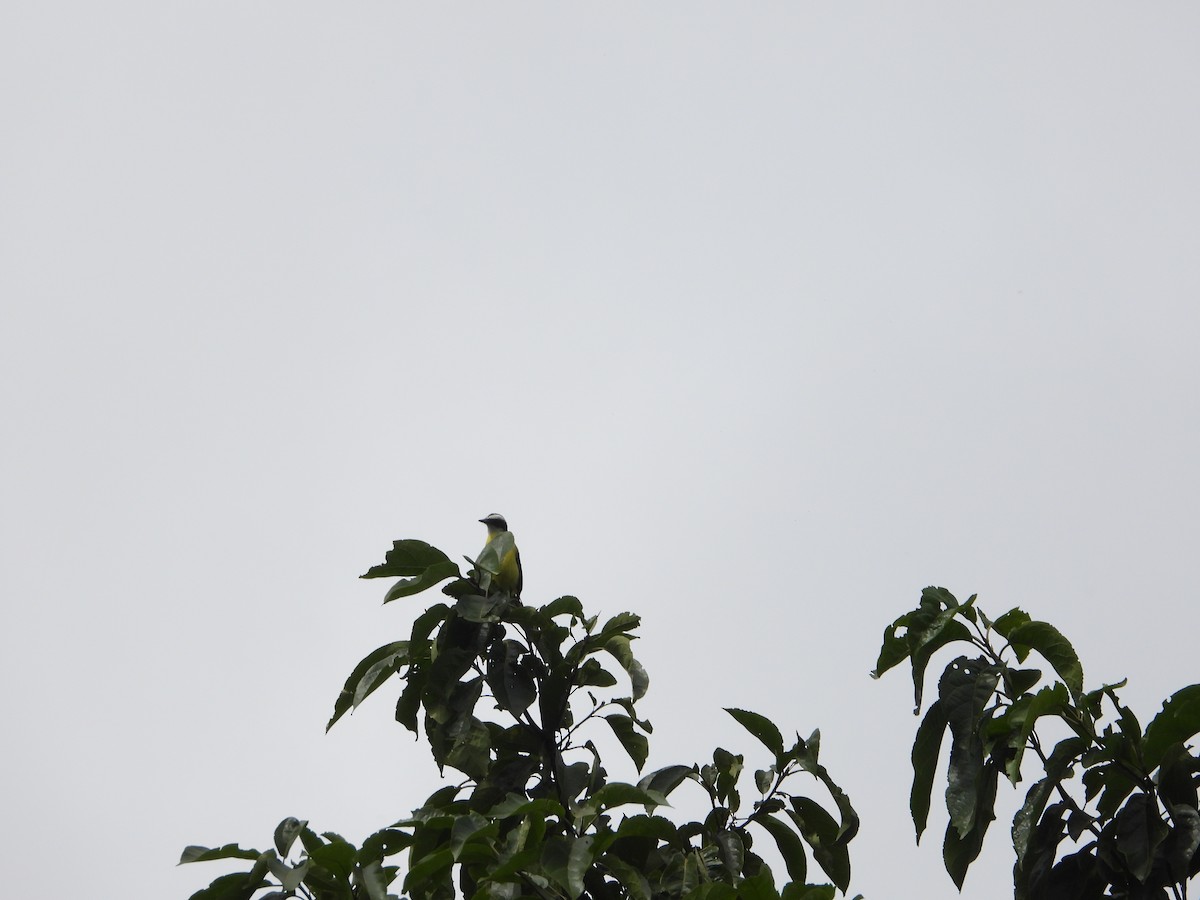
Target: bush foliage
510,696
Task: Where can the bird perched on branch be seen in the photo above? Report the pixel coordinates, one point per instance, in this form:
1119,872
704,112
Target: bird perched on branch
500,562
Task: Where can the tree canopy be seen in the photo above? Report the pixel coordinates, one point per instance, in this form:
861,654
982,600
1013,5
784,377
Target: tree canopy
508,697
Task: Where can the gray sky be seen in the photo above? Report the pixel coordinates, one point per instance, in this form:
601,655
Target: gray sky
753,320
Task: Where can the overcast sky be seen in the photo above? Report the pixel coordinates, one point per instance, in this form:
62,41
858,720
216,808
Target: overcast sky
752,319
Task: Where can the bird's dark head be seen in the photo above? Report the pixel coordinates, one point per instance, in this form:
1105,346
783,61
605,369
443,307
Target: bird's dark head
495,522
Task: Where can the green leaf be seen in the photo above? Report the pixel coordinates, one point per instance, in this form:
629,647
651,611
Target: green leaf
310,840
432,576
465,828
430,867
384,843
228,887
796,891
578,862
965,688
481,608
733,853
1048,701
1036,837
620,794
563,606
470,752
592,674
375,668
620,649
1057,650
926,747
761,727
943,631
665,780
961,849
417,561
512,683
337,857
1184,841
1139,830
628,876
764,779
376,878
657,827
760,887
822,832
635,744
1024,680
516,805
287,831
918,634
1011,620
229,851
1178,721
289,877
791,848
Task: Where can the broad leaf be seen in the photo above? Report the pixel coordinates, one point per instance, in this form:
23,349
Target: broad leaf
1057,650
619,647
791,848
1178,721
229,851
287,831
761,727
965,689
620,794
821,831
629,877
926,747
578,862
370,673
228,887
959,849
635,744
421,564
1139,831
666,779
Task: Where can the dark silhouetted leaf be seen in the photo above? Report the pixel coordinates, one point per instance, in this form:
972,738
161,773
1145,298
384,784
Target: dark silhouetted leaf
635,744
1179,720
619,647
578,862
372,671
964,690
791,848
1057,650
822,832
1138,831
761,727
959,850
926,747
229,851
420,564
630,878
665,780
228,887
286,833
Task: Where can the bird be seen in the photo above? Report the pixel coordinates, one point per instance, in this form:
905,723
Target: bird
508,576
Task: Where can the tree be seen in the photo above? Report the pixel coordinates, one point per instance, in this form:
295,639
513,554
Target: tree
506,695
1130,822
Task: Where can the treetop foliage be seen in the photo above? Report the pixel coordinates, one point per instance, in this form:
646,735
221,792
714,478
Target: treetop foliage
509,698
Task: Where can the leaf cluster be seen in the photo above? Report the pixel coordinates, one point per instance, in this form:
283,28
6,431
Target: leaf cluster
1114,813
507,696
